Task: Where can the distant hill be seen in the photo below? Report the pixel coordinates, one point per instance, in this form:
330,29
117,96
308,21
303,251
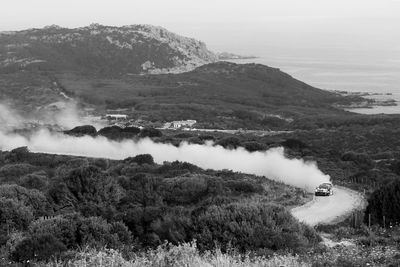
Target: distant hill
218,95
102,49
114,67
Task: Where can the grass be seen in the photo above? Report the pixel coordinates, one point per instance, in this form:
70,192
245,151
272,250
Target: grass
181,256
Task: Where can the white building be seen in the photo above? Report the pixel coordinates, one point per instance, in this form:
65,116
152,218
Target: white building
179,124
116,116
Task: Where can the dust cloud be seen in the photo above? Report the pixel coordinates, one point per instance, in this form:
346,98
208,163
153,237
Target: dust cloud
272,163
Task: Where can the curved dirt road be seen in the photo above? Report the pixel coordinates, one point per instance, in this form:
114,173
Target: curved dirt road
331,209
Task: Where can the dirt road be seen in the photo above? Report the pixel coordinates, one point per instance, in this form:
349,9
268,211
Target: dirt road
331,209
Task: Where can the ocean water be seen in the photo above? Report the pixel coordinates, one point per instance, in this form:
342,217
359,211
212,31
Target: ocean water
350,71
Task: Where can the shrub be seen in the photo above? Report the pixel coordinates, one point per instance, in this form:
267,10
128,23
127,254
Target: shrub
11,172
37,247
37,181
64,228
185,190
14,214
150,132
294,144
29,197
358,158
207,137
245,186
82,130
183,135
96,232
19,154
251,227
90,186
74,230
141,159
384,202
254,146
118,133
229,142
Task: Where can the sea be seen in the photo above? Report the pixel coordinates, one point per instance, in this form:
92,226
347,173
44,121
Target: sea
349,71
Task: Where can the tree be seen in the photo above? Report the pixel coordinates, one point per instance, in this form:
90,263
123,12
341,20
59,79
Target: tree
37,181
19,154
11,172
14,215
384,202
93,189
29,197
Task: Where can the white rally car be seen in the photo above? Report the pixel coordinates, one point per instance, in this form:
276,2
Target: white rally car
325,189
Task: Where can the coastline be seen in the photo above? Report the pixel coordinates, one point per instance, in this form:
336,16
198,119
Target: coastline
376,103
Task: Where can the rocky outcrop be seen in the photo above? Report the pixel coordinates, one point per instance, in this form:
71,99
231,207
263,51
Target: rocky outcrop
133,49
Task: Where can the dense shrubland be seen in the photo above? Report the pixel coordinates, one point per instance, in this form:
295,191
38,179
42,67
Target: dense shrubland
55,205
52,205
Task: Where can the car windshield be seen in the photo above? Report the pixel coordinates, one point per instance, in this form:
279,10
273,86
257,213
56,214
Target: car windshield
324,186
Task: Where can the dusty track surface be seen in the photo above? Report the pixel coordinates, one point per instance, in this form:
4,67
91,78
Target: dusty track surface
331,209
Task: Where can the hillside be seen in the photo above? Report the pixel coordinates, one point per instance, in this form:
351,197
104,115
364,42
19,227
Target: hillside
113,67
218,95
102,49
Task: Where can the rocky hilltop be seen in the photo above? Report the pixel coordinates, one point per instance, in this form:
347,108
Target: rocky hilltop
102,49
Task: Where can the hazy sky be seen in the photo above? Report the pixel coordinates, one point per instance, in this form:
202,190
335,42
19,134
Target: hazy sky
239,25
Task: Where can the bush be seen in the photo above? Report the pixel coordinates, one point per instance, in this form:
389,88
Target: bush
240,186
183,135
32,198
74,230
251,227
118,133
229,142
37,181
82,130
358,158
254,146
185,190
39,247
384,202
207,137
395,167
294,144
14,214
11,172
64,228
19,154
96,232
141,159
150,132
90,186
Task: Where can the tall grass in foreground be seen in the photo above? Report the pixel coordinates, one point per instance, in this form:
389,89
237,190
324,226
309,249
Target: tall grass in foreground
185,255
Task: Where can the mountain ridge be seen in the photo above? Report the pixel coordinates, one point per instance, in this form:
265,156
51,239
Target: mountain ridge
111,50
